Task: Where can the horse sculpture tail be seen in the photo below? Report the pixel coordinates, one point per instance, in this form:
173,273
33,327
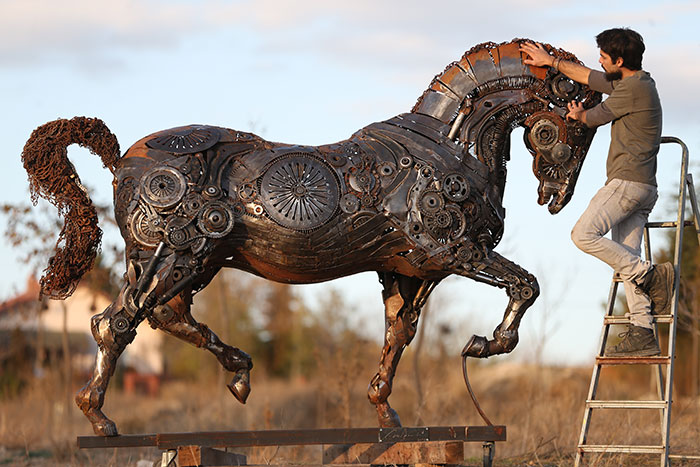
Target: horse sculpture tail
53,177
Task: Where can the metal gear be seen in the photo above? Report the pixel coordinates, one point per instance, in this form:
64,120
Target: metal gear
455,187
431,201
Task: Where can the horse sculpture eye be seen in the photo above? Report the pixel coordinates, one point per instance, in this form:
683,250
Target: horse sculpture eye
564,88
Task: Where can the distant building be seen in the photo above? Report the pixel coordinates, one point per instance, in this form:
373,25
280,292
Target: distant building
41,323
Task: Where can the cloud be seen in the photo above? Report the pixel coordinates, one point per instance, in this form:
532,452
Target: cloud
403,42
37,31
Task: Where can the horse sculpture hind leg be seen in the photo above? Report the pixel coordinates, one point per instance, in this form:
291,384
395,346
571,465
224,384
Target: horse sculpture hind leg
112,337
404,298
115,328
178,321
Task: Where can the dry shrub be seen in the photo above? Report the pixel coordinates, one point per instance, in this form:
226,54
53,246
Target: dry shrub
541,407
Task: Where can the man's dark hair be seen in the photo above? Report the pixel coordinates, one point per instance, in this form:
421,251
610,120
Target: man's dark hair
625,43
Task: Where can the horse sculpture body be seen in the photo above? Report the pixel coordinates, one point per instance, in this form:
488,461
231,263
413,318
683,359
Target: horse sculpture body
414,198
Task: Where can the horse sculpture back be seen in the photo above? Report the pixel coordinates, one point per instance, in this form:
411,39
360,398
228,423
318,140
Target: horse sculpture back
415,198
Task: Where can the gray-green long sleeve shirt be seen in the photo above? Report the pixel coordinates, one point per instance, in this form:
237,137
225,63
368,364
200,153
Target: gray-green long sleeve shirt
634,108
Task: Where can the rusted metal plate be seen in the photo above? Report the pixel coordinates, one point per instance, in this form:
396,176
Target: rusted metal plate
193,456
482,65
299,437
269,438
449,452
438,105
122,441
486,433
403,434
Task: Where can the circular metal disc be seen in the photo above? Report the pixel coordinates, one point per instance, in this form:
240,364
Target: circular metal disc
163,187
215,219
299,192
185,140
142,231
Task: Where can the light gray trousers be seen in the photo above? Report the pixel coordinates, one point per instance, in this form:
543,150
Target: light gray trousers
623,207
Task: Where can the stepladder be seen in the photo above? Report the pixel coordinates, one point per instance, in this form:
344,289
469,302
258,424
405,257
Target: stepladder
662,366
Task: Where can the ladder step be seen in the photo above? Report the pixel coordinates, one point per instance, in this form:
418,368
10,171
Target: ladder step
660,360
621,448
602,404
658,225
626,320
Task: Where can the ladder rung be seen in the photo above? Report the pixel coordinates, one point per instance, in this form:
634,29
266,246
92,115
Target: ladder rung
601,404
621,448
657,225
659,360
626,320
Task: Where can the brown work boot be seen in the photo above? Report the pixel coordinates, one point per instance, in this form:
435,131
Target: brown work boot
637,342
658,285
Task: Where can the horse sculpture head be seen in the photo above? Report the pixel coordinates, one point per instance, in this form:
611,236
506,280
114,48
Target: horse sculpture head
559,145
490,91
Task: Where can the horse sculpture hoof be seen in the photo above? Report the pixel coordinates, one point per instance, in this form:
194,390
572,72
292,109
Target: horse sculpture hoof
240,386
388,418
105,428
476,347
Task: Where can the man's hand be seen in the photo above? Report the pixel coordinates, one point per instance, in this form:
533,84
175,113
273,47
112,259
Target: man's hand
538,56
576,111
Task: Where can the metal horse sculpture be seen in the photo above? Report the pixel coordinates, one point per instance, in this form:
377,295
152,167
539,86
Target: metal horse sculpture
415,198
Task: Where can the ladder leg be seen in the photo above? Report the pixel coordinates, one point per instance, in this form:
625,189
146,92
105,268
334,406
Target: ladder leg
677,253
595,377
693,204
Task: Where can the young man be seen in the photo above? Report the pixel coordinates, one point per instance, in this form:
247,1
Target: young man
624,203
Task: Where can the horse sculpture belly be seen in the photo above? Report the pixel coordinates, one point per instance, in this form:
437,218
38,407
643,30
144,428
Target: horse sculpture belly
415,198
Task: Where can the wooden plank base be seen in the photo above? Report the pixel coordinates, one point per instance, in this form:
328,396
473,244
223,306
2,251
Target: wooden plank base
195,456
449,452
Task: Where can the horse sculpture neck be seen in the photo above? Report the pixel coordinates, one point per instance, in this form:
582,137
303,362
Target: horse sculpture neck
483,97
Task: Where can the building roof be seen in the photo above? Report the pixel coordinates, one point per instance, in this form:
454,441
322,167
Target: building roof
24,302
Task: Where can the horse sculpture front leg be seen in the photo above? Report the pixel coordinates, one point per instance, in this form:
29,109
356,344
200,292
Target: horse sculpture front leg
404,298
523,290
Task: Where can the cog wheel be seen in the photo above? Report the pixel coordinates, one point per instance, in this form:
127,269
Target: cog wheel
446,224
455,187
349,203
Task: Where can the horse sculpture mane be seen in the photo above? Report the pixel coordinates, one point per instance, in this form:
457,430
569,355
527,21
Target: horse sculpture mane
415,198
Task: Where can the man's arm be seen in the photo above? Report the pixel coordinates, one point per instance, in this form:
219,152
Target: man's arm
540,57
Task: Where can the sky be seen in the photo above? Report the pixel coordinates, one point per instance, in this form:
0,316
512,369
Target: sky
313,72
